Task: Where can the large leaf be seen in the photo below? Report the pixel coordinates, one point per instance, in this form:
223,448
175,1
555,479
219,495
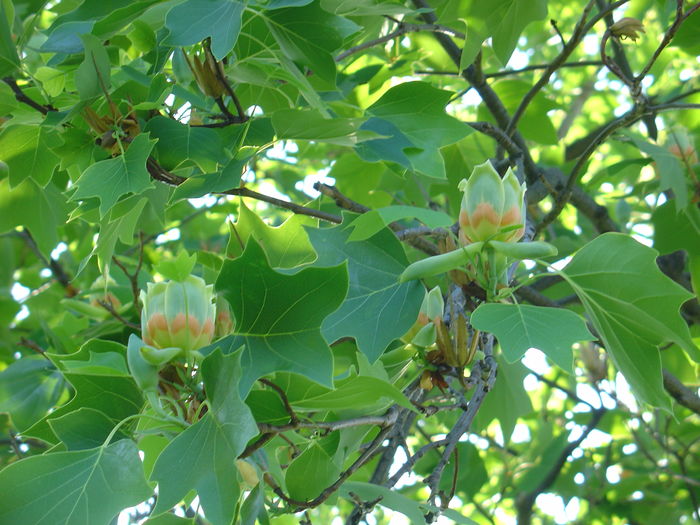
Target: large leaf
27,152
178,143
42,210
503,21
378,308
106,389
286,245
110,179
203,457
194,20
426,125
520,327
87,487
309,35
633,306
28,389
278,316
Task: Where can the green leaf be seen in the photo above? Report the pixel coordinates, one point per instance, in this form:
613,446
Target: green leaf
668,166
227,178
310,473
110,179
120,18
65,38
83,429
92,78
115,395
378,308
310,124
9,61
677,229
120,226
179,143
87,487
426,125
278,4
286,245
309,35
99,363
28,389
354,393
194,20
520,327
278,316
177,269
203,457
53,80
503,21
507,401
169,519
41,210
371,222
633,306
27,151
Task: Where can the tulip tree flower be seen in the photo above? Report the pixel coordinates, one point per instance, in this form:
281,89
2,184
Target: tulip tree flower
491,222
493,208
177,317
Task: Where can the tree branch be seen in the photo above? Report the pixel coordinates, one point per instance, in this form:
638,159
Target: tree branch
24,99
681,393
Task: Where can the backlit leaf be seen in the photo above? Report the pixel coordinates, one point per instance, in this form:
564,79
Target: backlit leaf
633,306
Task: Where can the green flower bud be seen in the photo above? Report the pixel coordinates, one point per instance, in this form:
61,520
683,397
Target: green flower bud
178,314
492,208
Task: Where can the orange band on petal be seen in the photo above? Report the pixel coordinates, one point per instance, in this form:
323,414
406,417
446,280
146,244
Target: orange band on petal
178,323
195,328
484,211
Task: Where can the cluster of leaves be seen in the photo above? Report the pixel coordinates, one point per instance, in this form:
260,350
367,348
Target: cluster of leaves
306,151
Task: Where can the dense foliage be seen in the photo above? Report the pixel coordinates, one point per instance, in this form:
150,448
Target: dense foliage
374,354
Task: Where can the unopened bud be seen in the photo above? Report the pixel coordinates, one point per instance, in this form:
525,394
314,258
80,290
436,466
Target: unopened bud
493,208
178,314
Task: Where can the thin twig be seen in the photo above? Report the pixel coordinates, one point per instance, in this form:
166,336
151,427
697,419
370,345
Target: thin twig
328,491
108,306
402,29
578,34
668,36
508,72
56,269
24,99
